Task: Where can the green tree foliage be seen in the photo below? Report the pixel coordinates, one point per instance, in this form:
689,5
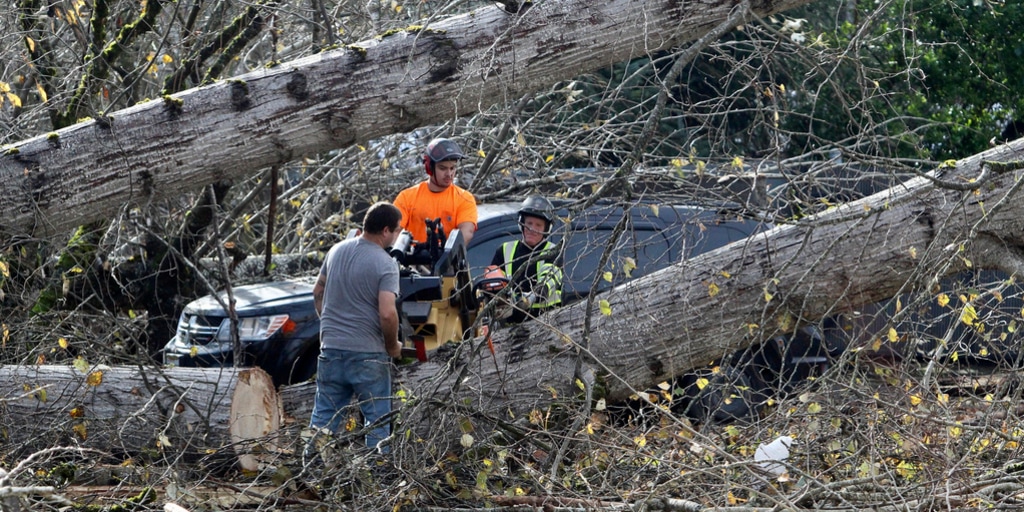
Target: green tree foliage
939,76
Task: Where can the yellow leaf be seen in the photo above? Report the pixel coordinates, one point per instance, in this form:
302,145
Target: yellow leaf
63,343
955,356
943,299
702,383
767,296
194,351
899,305
725,274
700,167
915,400
640,440
943,398
877,344
913,252
77,412
607,276
782,87
893,335
80,430
737,162
41,395
162,441
813,408
581,385
549,158
14,99
81,364
31,44
94,379
676,162
606,308
712,289
954,431
42,93
480,153
628,265
969,316
350,424
520,139
5,87
167,59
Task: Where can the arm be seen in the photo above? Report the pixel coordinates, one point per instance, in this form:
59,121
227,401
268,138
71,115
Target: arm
467,228
466,215
549,284
389,322
318,294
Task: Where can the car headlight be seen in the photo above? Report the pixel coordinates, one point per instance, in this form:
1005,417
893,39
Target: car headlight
254,328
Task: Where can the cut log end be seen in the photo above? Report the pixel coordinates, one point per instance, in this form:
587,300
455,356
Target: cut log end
255,415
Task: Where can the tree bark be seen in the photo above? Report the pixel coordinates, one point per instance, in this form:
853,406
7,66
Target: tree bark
394,83
131,410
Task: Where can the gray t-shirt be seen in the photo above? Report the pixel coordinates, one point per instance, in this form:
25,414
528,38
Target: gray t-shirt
356,270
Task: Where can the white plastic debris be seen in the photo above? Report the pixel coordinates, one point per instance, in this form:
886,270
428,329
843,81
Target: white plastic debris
777,450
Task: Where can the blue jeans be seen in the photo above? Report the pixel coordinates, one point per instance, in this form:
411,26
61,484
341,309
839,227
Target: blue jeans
342,375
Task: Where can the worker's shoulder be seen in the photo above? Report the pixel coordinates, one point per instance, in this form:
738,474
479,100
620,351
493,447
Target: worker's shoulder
462,193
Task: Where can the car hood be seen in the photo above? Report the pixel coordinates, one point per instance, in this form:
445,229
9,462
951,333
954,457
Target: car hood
262,297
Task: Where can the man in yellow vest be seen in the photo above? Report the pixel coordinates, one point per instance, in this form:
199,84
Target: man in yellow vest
531,264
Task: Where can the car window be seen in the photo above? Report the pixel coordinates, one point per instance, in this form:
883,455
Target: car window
636,252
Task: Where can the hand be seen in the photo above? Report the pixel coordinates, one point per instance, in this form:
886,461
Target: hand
395,349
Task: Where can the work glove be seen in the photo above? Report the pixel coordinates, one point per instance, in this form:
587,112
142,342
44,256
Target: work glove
526,302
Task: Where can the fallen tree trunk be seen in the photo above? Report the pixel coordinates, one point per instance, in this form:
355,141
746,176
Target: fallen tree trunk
395,83
130,410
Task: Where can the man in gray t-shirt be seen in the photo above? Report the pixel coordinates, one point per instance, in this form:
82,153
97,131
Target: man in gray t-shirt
355,297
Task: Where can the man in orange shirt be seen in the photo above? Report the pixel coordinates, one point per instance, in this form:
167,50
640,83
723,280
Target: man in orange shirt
438,197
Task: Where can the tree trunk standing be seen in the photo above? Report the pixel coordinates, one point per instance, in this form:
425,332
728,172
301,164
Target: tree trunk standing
694,312
395,83
122,410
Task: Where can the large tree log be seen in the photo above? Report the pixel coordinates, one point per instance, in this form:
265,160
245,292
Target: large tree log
699,310
398,82
130,410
